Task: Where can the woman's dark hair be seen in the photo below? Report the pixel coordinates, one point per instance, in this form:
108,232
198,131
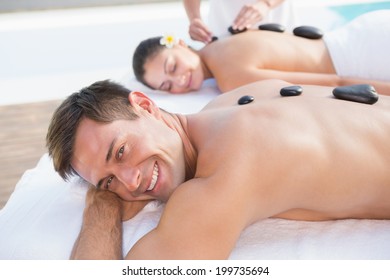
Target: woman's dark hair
145,50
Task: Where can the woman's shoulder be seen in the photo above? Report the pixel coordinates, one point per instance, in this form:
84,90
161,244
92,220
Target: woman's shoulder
228,49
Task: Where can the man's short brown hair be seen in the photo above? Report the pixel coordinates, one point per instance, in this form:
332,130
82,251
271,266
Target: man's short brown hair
103,101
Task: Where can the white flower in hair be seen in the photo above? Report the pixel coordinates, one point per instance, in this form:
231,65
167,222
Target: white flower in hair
169,40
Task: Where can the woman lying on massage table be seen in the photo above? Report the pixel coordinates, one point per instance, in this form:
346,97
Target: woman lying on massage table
353,54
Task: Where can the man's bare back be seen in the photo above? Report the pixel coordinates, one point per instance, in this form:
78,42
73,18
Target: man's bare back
324,159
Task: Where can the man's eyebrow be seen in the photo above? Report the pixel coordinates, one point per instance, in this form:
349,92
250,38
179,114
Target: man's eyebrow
109,153
108,157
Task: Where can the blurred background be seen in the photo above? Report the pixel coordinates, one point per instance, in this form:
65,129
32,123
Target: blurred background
52,48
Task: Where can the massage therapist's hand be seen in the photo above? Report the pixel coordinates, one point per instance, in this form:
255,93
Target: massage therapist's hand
199,31
250,14
105,202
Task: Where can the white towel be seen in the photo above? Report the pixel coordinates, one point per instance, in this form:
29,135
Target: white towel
361,48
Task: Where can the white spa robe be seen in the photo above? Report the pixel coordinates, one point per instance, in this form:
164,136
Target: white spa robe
223,12
361,48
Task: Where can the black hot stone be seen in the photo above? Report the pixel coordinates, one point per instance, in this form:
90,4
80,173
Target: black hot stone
309,32
272,27
214,38
246,99
359,93
235,31
291,91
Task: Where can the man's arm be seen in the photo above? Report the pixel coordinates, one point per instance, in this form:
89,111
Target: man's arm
100,237
197,223
101,233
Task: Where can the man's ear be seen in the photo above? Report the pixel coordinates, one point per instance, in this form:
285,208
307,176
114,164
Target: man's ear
140,100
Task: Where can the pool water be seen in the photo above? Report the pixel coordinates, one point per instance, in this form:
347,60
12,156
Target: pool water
329,16
349,12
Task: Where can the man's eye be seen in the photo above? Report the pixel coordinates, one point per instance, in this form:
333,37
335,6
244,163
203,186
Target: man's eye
108,183
120,152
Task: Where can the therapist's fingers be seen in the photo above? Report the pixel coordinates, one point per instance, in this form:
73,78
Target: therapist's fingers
249,15
199,31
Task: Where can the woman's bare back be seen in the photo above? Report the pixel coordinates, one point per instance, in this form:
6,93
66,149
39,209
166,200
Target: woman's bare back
237,55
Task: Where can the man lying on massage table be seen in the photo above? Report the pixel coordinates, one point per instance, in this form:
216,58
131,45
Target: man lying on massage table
241,159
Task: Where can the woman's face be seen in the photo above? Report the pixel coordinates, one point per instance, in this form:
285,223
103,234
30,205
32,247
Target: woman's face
176,70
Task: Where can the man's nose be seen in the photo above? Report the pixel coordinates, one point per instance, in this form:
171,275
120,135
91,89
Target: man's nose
130,177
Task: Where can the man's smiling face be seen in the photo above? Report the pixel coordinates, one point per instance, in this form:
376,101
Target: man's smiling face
136,159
